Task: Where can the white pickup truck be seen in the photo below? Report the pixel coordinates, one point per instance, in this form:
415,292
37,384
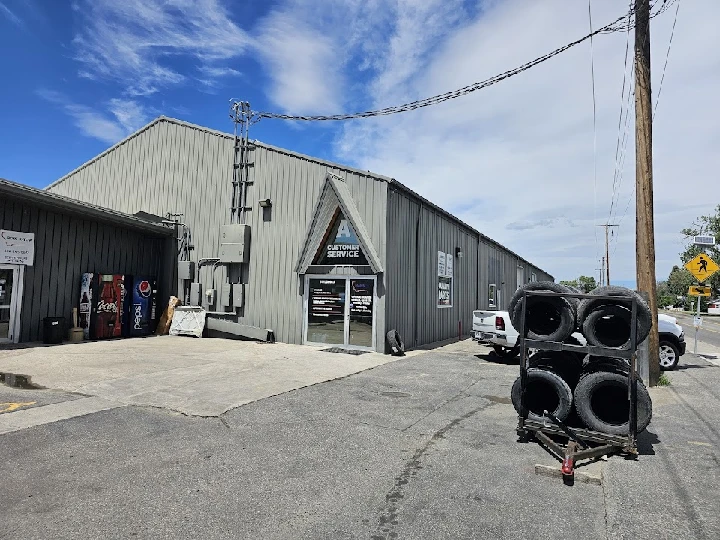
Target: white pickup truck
495,329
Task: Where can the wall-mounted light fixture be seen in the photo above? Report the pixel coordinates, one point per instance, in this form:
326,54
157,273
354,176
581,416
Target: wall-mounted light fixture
458,253
265,203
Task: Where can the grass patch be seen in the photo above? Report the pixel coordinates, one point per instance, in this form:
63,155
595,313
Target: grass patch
663,380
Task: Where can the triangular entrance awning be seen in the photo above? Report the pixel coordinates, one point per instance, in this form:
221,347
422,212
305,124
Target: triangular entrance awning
336,214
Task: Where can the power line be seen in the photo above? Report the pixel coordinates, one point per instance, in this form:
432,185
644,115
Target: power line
592,77
615,26
657,99
667,55
620,119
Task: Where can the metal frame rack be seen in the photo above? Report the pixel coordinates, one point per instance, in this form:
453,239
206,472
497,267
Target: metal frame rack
577,447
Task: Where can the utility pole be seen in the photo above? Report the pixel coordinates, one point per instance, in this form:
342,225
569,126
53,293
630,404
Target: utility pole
644,225
607,251
602,272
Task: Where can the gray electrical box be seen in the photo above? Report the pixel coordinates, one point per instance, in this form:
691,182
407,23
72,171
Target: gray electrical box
186,270
234,243
225,295
238,295
209,298
196,294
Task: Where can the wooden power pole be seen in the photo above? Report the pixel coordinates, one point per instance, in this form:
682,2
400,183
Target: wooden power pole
607,251
644,225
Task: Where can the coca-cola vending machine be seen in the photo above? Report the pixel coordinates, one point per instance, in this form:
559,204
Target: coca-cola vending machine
85,307
142,306
107,315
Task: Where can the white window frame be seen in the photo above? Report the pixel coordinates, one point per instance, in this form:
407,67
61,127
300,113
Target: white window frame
492,299
15,302
346,315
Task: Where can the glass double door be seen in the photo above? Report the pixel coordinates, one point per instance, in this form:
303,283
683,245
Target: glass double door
339,311
8,302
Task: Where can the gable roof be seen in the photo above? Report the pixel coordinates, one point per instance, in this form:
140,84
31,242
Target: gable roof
222,135
336,166
335,194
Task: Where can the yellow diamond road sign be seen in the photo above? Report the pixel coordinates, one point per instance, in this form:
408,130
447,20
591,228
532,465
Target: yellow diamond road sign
702,267
699,290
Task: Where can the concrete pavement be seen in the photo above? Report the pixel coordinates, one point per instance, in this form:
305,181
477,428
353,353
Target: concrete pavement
423,447
202,377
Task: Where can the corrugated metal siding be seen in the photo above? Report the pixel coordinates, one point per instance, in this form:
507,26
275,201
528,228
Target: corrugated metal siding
65,247
412,272
176,168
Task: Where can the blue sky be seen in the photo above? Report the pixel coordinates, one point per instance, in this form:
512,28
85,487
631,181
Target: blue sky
520,161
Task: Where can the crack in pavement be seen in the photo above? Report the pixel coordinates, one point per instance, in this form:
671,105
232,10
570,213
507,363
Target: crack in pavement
462,393
388,519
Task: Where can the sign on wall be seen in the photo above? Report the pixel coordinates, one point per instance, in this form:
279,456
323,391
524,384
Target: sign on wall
445,280
17,247
341,246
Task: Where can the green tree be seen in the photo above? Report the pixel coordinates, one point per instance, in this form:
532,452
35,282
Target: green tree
709,225
665,298
679,281
584,283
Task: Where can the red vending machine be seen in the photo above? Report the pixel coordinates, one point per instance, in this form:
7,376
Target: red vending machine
108,306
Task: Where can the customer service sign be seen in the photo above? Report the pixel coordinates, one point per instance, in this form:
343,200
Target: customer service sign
17,247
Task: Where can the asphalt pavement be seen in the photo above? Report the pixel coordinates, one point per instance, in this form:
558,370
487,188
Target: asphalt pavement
423,447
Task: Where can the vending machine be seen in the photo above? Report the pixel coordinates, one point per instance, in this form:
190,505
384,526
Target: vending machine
107,314
86,302
142,306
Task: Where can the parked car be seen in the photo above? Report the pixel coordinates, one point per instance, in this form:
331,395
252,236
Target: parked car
714,307
494,328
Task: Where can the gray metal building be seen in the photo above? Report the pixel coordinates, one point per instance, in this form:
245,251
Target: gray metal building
328,253
65,238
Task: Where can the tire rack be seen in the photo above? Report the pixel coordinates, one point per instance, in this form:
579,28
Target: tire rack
577,449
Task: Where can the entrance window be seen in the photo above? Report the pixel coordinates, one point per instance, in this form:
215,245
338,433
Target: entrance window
10,291
326,311
340,311
340,245
362,293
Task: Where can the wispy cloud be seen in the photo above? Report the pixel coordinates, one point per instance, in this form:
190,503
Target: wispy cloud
317,53
217,72
122,118
10,15
137,42
526,144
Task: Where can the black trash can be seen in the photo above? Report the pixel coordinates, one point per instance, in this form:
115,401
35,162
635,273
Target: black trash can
53,329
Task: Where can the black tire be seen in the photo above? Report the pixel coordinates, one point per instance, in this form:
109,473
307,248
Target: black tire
601,401
606,363
669,355
395,342
565,364
644,317
550,286
506,352
608,326
544,390
579,355
546,319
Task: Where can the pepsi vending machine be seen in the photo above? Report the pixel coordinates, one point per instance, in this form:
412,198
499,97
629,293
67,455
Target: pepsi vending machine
142,306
